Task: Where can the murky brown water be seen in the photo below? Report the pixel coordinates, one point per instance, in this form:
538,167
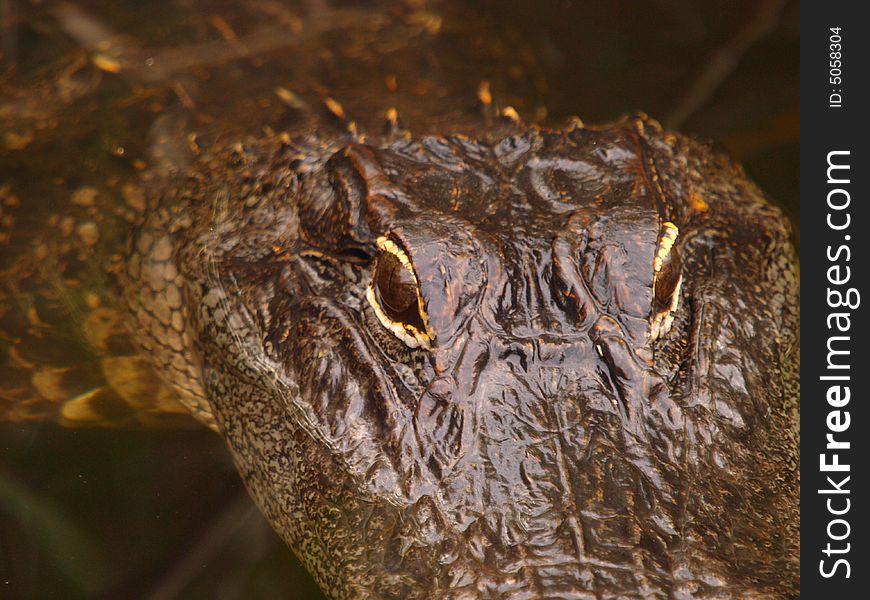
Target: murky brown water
89,93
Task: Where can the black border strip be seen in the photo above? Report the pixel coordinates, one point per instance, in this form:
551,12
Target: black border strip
835,246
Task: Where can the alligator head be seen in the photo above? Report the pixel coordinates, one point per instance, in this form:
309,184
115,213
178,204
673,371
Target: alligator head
539,364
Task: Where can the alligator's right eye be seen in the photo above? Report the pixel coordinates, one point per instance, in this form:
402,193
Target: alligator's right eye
395,296
396,290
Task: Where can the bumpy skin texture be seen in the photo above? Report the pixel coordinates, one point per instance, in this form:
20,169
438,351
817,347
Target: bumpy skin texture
546,446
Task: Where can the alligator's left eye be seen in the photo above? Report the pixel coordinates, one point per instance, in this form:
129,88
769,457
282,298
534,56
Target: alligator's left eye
667,280
395,296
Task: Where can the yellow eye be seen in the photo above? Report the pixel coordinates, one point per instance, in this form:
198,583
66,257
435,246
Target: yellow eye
396,291
395,296
667,280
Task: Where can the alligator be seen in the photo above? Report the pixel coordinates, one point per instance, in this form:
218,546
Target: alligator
525,363
481,358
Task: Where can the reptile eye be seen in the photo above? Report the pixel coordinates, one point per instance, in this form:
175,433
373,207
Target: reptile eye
395,289
667,280
395,296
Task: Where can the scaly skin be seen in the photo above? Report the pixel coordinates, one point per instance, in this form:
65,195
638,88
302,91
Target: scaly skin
547,445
